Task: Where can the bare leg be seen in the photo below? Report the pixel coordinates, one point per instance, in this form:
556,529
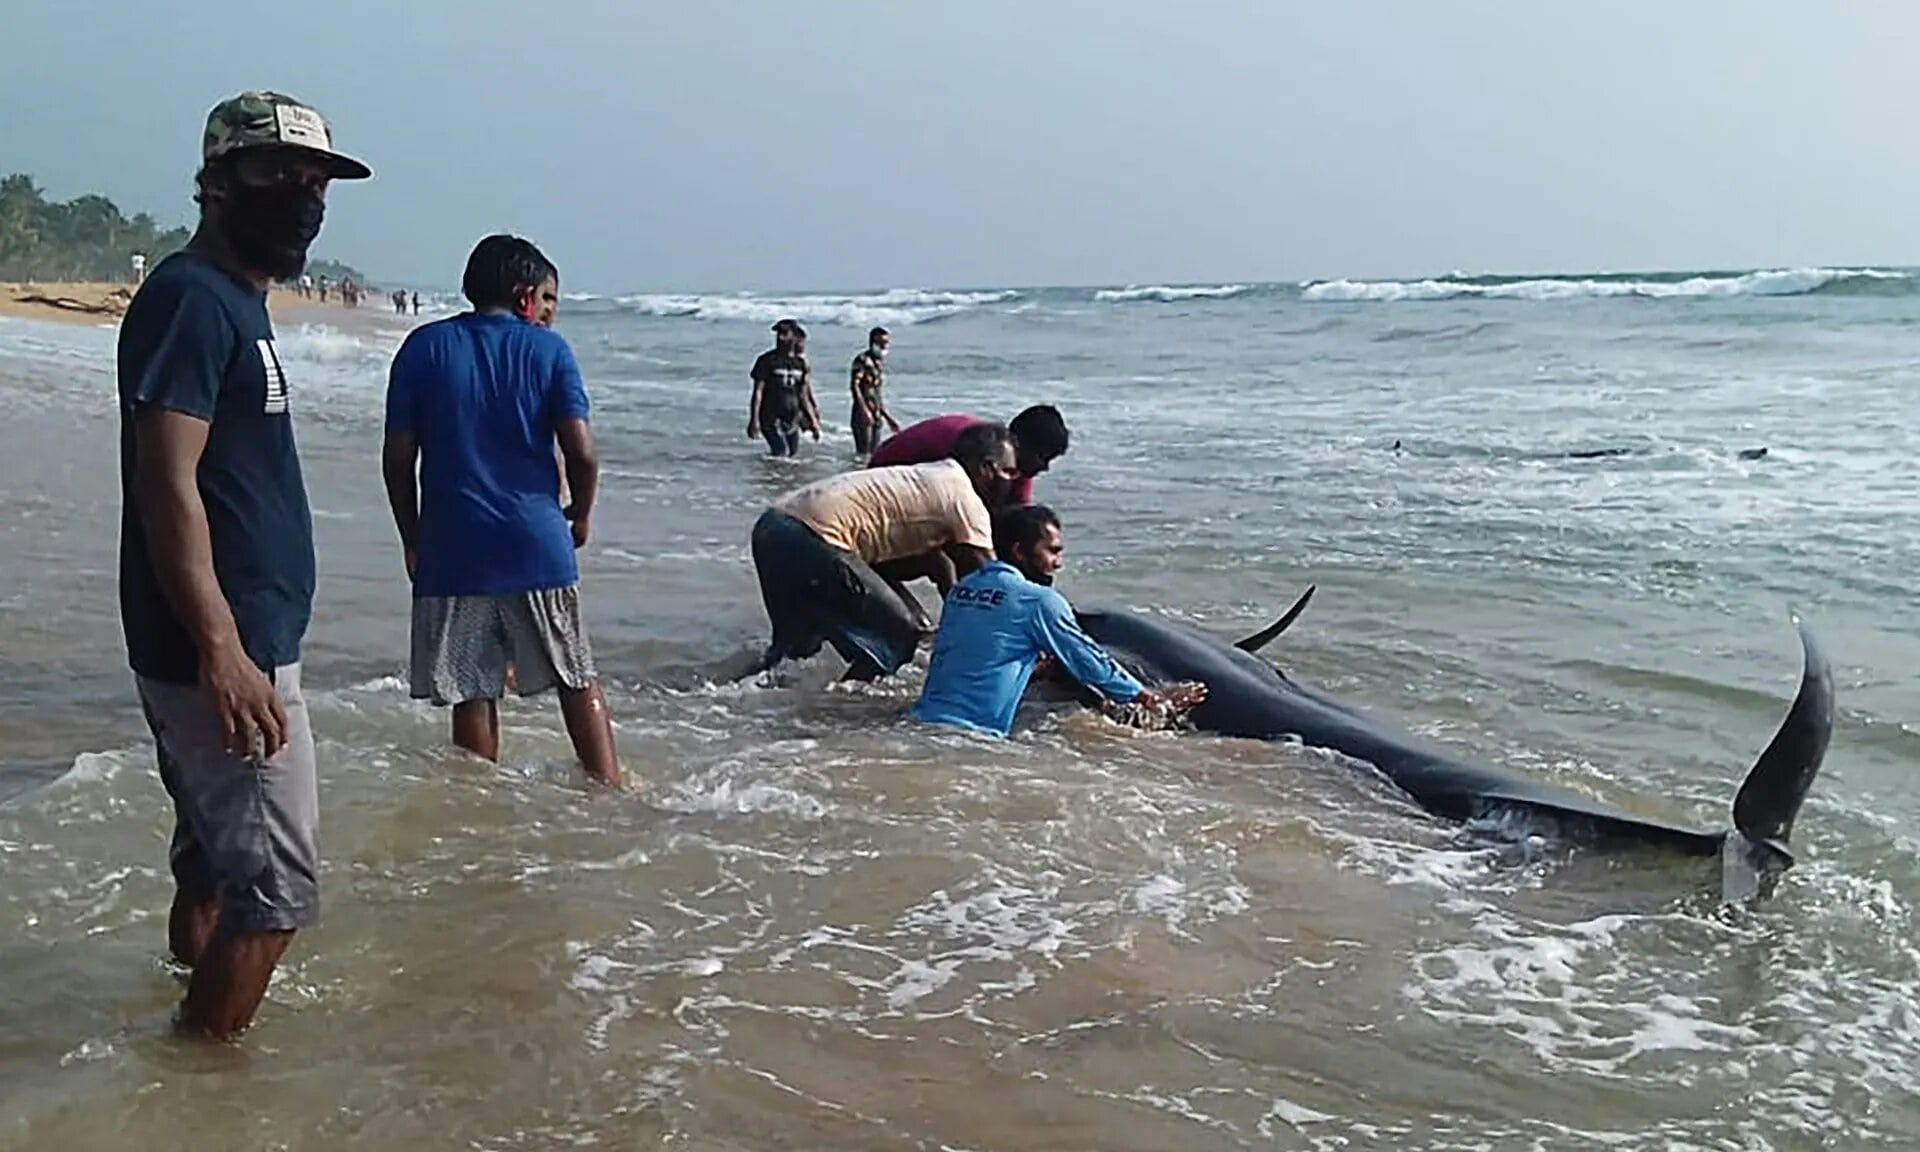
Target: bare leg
590,727
476,727
229,982
190,925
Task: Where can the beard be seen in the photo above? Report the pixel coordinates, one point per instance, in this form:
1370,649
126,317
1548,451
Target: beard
270,229
1033,573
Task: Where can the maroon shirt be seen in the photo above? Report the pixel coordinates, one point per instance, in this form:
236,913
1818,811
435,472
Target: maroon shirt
931,440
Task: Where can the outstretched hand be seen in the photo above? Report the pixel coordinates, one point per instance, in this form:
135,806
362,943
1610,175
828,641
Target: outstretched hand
1184,697
1162,709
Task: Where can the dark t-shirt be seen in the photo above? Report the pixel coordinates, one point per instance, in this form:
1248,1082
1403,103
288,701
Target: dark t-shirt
197,341
780,375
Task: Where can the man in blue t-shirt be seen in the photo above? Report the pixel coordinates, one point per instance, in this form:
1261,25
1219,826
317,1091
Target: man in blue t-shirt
999,622
216,554
477,401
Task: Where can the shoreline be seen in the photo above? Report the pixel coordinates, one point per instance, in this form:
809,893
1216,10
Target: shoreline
96,304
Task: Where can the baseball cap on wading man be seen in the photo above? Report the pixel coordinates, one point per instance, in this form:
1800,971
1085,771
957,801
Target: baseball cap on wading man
278,121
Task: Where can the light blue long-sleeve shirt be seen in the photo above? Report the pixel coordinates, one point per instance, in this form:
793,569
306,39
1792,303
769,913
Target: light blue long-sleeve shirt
993,628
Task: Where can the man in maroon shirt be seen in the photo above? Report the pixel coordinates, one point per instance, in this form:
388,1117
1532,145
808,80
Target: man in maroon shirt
1039,438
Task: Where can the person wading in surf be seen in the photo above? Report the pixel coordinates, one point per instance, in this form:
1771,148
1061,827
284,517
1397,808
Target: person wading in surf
782,406
1003,620
868,384
216,554
479,401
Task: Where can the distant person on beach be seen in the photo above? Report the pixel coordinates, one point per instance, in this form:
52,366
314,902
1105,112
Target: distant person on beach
869,401
1003,619
306,285
399,299
816,550
216,554
782,406
416,303
323,289
478,401
139,267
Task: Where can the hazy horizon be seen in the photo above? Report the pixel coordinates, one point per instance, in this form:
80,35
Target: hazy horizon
743,146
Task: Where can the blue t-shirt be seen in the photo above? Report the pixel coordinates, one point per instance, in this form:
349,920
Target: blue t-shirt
197,341
482,394
993,628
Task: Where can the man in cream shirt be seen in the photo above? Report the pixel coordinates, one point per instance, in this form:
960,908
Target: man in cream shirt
815,550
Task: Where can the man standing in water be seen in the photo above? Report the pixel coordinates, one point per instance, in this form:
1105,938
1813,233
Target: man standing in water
782,405
478,400
216,554
869,401
1005,618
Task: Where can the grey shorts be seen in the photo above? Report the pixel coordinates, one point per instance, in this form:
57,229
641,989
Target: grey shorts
462,645
244,832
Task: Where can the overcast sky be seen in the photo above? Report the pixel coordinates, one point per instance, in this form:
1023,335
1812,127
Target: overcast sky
727,144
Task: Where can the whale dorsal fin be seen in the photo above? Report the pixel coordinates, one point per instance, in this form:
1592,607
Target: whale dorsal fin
1266,635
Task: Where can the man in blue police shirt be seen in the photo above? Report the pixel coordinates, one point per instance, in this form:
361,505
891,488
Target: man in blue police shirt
1000,621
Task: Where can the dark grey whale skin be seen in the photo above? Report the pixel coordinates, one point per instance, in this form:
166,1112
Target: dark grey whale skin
1248,697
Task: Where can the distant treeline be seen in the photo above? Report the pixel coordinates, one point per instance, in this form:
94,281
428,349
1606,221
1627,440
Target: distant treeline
87,239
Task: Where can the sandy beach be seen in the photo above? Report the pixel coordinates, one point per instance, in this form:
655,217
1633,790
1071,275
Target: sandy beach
93,303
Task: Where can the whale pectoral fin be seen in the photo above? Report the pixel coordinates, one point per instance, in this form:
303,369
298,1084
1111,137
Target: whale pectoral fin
1770,797
1266,635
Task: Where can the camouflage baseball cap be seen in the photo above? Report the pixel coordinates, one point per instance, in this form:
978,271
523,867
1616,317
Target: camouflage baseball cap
274,120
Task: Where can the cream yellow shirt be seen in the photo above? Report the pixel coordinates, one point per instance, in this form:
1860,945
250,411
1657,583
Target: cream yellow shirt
882,514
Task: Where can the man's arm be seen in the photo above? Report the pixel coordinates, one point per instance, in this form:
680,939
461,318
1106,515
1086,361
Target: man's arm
809,411
857,378
1059,635
966,559
167,450
759,393
578,459
583,473
399,452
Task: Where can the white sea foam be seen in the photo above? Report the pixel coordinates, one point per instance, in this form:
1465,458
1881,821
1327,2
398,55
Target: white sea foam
1772,282
899,306
1165,294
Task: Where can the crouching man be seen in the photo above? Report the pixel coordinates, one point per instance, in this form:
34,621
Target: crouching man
1000,621
816,548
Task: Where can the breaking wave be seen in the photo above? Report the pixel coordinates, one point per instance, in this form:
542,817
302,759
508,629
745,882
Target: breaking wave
1164,294
899,306
1770,282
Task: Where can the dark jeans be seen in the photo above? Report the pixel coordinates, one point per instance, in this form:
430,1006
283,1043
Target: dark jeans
815,593
782,436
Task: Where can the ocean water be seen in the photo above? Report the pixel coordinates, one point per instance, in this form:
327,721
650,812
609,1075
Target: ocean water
810,924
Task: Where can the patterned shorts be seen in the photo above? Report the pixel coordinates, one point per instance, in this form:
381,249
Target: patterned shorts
463,644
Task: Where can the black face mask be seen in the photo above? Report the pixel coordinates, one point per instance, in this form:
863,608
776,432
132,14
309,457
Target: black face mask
271,228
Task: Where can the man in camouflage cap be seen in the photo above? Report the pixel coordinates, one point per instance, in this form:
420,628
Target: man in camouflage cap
274,120
216,554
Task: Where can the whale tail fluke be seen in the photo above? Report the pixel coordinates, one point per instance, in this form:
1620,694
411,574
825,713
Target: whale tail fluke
1776,786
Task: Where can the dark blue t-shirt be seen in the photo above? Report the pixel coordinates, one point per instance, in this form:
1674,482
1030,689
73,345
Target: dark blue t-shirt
197,341
482,394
